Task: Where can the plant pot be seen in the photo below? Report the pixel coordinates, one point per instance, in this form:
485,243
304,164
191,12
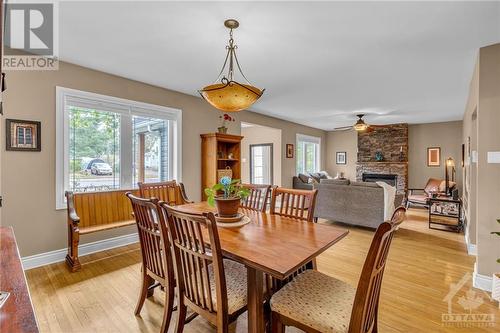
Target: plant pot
227,207
222,129
495,288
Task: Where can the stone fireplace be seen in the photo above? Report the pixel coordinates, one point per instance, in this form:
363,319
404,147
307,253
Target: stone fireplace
392,142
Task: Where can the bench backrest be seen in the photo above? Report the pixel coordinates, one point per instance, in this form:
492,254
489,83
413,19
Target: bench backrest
104,207
170,192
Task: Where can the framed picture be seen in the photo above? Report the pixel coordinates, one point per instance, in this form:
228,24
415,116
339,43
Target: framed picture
433,156
289,150
341,157
23,135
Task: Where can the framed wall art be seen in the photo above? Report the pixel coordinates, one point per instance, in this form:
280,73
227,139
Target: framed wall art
433,156
23,135
341,157
289,150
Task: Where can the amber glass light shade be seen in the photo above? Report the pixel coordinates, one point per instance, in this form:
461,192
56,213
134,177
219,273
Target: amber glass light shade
232,96
360,126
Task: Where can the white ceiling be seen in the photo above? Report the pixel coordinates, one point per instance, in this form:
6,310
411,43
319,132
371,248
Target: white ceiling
320,62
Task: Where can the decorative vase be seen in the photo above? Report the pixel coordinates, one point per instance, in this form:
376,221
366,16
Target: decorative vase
227,207
495,288
222,129
379,157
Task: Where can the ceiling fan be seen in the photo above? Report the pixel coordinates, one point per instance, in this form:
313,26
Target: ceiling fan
359,126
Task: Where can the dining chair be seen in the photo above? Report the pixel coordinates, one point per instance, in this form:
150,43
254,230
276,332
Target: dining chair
170,191
258,197
157,261
316,302
213,287
294,203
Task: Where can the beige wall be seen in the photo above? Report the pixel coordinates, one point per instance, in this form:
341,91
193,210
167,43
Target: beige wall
488,174
469,175
338,141
259,135
448,136
482,186
28,178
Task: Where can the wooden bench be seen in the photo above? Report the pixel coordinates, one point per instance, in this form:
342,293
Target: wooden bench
90,212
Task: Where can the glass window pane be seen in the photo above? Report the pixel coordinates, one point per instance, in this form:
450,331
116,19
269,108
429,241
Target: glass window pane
94,150
151,162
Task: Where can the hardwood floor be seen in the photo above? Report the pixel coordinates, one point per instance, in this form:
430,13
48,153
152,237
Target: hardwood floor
421,267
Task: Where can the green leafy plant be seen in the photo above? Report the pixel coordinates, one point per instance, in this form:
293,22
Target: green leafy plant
498,234
231,188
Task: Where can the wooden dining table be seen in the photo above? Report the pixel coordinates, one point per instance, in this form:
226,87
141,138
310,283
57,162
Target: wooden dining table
270,244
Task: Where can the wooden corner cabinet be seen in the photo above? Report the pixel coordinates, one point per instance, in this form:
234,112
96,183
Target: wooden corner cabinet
219,152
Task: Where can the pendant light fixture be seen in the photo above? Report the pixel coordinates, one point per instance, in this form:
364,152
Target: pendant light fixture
229,95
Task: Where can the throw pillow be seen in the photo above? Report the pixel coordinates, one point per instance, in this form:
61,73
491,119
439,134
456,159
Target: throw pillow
304,178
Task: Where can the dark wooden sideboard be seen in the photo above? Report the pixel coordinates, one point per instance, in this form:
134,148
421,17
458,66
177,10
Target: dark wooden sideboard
16,315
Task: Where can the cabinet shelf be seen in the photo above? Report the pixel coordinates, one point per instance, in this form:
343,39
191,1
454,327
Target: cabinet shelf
228,159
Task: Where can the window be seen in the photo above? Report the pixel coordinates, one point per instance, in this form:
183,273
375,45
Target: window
261,163
105,143
308,153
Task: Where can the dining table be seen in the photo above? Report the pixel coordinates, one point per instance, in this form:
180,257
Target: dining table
269,244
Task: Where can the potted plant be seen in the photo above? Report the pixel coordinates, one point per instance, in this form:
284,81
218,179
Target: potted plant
228,202
495,289
225,118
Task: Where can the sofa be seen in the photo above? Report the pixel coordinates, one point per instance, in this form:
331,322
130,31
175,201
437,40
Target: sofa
356,203
305,182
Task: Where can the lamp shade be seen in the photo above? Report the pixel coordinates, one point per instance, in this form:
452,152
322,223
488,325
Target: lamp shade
450,162
231,96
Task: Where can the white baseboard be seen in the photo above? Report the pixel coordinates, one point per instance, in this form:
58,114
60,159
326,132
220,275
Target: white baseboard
480,281
471,248
51,257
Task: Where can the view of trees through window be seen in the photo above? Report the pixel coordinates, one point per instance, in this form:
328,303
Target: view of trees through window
95,153
94,149
307,156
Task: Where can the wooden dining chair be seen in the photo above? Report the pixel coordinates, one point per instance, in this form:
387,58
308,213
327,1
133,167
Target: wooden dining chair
208,285
258,197
157,261
294,203
315,302
170,191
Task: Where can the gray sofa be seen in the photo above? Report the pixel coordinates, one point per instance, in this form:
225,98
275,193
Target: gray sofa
356,203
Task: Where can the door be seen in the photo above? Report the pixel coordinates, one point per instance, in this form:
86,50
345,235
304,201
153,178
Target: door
261,163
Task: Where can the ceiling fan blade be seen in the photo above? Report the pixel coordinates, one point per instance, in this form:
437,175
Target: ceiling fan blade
344,128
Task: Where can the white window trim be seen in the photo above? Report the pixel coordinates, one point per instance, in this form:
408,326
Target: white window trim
62,127
311,139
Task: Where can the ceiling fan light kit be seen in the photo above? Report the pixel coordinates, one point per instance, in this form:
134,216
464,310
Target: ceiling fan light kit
230,95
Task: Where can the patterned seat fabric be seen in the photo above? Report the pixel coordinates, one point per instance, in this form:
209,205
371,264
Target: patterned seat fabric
316,300
420,198
236,284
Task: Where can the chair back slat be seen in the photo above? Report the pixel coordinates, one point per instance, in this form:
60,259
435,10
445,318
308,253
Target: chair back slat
294,203
194,254
153,237
170,192
258,197
365,307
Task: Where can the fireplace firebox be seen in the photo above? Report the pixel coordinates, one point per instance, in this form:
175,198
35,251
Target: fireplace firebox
390,179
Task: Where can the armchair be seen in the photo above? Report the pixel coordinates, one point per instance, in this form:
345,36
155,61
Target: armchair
420,197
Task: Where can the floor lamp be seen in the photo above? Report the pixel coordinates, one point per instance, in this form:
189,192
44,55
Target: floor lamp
449,168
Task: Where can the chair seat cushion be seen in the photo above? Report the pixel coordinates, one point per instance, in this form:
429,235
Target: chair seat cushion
236,284
317,300
420,198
